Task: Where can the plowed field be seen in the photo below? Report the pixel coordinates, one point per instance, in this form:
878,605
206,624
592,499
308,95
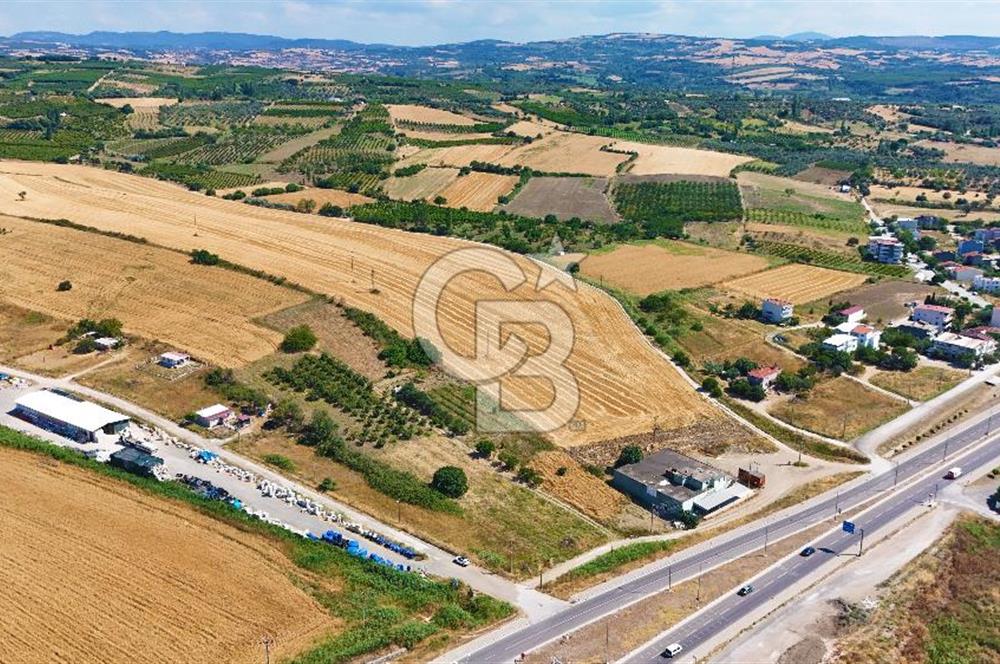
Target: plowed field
156,293
624,384
99,572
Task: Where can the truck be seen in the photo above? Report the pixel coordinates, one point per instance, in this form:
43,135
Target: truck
953,473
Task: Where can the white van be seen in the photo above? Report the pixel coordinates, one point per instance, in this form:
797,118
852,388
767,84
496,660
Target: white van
953,473
672,650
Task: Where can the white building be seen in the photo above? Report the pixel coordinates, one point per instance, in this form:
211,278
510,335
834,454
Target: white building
885,249
75,419
107,343
172,360
867,336
213,416
774,310
951,346
853,314
986,284
844,343
938,316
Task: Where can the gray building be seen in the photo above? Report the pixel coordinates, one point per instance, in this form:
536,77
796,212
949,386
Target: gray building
669,482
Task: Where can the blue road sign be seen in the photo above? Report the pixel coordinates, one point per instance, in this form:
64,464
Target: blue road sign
848,527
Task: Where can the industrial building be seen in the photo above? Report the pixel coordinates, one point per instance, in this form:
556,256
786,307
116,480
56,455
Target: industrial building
68,416
669,483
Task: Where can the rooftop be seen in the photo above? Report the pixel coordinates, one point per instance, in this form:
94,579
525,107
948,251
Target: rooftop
778,300
80,414
852,310
175,356
764,372
213,411
952,339
863,329
838,340
652,471
934,307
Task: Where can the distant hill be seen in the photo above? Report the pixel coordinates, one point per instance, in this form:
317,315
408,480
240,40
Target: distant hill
808,36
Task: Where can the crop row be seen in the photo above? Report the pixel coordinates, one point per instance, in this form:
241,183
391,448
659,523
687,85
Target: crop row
846,263
795,218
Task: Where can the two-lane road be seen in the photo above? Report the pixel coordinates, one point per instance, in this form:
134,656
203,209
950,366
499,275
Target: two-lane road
690,564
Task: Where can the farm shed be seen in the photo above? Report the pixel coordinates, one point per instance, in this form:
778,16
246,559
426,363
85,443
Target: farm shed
107,343
172,360
76,419
669,483
135,461
213,416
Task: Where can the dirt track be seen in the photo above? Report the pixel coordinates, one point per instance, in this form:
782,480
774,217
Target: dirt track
624,384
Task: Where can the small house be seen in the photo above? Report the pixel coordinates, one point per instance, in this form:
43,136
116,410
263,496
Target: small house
763,376
853,314
985,284
774,310
173,360
938,316
213,416
951,346
107,343
867,336
963,273
842,343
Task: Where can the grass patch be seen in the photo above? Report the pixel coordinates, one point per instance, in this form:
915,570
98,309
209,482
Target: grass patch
839,408
280,461
921,384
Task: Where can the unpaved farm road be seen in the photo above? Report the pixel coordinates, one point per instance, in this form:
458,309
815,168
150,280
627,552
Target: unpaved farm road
438,562
690,563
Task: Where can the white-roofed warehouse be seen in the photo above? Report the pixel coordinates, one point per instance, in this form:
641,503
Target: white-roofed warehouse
73,418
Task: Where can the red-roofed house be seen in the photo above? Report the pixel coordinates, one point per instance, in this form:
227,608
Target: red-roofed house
867,336
853,314
938,316
763,376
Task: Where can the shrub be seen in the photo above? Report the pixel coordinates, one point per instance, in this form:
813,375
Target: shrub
485,448
204,257
298,339
629,454
508,459
450,481
328,484
64,286
280,461
712,386
529,476
331,210
86,345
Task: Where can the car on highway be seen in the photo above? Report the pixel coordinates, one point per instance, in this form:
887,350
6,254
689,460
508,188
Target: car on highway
953,473
745,590
672,650
461,561
808,551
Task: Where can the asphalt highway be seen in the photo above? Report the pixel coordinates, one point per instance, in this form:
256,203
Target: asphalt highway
690,564
733,609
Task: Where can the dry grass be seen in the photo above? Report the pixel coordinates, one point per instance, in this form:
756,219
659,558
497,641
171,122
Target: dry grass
457,155
290,147
667,265
796,283
655,159
885,300
93,572
729,338
921,384
23,331
963,153
478,191
565,152
424,185
344,199
624,383
156,293
904,194
415,113
839,408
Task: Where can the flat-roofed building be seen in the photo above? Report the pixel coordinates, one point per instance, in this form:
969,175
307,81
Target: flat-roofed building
67,416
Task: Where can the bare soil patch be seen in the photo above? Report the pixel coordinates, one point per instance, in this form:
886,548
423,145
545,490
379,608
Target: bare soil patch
965,153
565,198
886,300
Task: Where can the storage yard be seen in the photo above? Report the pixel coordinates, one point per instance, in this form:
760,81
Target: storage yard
625,384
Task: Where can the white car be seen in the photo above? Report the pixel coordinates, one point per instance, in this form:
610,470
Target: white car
672,650
461,561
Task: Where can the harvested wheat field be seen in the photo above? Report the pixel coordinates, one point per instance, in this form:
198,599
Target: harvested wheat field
796,283
146,113
156,293
424,185
624,384
344,199
457,155
415,113
478,191
671,159
100,572
565,152
650,268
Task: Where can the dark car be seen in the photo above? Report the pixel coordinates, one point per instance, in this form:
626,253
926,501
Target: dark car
808,551
745,590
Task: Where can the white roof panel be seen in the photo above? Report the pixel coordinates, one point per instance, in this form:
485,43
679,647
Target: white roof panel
212,411
81,414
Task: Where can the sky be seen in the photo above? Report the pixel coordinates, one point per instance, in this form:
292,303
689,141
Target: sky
422,22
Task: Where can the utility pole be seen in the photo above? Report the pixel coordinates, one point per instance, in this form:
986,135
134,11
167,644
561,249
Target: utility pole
895,477
766,526
267,642
701,566
670,577
607,641
861,546
945,454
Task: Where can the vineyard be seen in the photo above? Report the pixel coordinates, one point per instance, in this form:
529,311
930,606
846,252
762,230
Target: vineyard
815,220
847,263
174,146
200,177
458,401
379,419
240,146
663,207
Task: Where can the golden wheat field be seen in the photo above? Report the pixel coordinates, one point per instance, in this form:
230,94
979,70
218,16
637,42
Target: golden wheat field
100,572
566,152
654,159
650,268
424,185
624,384
415,113
796,283
320,197
156,293
478,191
